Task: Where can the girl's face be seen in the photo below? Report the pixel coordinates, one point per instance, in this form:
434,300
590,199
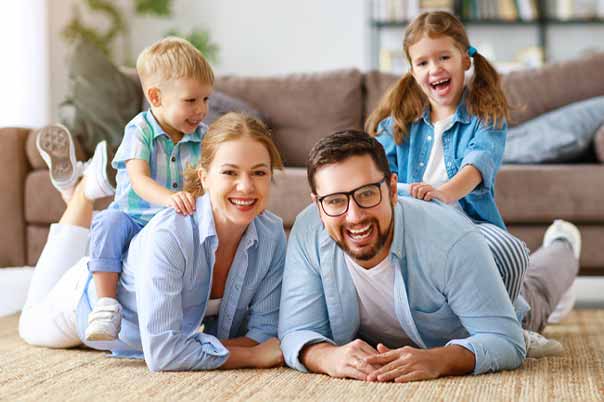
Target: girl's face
238,181
438,66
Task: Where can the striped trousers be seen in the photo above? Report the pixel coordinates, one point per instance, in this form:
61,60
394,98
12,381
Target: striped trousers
511,256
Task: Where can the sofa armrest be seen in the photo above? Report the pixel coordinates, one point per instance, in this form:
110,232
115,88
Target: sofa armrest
13,170
599,144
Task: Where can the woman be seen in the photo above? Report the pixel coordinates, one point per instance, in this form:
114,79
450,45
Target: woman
221,266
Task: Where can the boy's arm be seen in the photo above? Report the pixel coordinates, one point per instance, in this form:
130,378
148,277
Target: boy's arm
154,193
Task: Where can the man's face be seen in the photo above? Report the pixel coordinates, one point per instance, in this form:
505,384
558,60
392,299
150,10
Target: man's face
365,234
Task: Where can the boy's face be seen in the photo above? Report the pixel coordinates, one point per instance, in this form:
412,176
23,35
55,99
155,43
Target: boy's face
180,104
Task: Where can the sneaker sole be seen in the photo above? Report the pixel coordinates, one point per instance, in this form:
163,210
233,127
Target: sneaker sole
100,337
56,143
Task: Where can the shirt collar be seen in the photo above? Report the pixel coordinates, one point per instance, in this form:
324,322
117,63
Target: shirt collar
207,226
397,247
461,112
195,136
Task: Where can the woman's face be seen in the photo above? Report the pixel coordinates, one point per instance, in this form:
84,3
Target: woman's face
238,181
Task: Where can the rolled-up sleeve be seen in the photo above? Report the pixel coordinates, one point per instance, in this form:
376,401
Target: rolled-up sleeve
159,290
483,307
136,144
264,309
303,318
485,153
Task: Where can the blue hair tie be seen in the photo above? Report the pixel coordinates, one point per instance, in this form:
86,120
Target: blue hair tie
472,51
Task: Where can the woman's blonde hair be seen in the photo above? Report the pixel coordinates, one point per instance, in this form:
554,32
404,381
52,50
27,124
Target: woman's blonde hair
232,126
405,101
172,58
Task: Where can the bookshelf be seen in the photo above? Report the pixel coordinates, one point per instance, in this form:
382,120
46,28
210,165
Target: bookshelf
507,16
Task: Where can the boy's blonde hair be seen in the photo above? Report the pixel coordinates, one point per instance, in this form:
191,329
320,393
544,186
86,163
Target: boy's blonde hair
405,101
172,58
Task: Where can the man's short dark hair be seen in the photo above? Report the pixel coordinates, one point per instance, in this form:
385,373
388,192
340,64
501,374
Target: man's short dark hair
342,145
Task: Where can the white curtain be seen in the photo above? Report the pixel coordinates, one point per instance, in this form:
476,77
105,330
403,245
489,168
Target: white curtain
24,67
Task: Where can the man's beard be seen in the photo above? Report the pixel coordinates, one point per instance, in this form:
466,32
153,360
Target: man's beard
375,248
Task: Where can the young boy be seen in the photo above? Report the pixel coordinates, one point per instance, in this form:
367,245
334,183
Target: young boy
157,145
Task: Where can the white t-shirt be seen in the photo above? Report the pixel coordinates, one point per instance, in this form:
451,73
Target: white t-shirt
436,173
375,290
213,307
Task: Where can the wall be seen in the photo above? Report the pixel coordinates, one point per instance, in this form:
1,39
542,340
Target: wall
261,37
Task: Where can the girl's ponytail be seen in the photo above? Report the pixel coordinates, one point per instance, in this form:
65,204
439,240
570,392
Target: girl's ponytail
404,101
485,95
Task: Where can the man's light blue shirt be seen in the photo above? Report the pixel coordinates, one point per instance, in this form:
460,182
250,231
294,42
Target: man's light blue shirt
467,142
166,282
447,288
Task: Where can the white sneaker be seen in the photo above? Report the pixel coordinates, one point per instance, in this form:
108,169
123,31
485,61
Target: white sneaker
538,346
56,147
566,231
97,184
105,320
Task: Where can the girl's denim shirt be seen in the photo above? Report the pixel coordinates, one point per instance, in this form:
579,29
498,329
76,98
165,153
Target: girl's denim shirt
467,142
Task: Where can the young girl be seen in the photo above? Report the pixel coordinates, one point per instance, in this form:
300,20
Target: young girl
445,138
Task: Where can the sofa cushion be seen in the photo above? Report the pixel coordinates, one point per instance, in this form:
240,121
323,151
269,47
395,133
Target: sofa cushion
561,135
542,193
101,98
290,194
301,108
536,91
221,103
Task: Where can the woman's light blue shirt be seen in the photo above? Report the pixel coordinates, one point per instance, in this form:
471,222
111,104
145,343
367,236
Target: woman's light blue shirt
467,142
166,282
447,288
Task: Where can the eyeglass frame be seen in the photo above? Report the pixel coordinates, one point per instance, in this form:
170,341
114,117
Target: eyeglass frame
350,194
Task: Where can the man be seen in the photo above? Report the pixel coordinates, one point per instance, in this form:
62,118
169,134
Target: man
382,288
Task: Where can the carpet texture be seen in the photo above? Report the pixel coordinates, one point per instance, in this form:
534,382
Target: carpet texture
32,374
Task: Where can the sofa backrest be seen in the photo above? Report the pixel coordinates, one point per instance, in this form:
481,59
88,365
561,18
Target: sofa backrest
301,108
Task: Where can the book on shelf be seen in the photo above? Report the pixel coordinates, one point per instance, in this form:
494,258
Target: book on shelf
504,10
574,9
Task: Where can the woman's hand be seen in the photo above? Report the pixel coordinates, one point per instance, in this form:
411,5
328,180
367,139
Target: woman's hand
268,354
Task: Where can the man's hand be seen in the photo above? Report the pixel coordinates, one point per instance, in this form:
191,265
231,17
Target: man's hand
424,191
410,364
182,202
346,361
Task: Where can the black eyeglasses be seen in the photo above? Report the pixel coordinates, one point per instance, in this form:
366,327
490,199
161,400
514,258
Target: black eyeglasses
366,196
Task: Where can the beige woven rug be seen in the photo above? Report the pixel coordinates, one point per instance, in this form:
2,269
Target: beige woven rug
37,374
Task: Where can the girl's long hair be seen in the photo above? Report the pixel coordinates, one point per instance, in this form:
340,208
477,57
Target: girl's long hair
405,101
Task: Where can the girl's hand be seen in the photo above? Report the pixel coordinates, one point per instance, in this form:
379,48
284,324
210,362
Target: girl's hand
268,354
424,191
182,202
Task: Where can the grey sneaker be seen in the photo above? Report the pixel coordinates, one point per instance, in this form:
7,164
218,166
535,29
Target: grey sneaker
538,346
57,149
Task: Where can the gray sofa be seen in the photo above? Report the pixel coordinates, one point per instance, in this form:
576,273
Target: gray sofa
301,108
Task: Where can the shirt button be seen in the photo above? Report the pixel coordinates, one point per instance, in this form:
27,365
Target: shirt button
173,159
174,185
429,138
421,163
449,164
